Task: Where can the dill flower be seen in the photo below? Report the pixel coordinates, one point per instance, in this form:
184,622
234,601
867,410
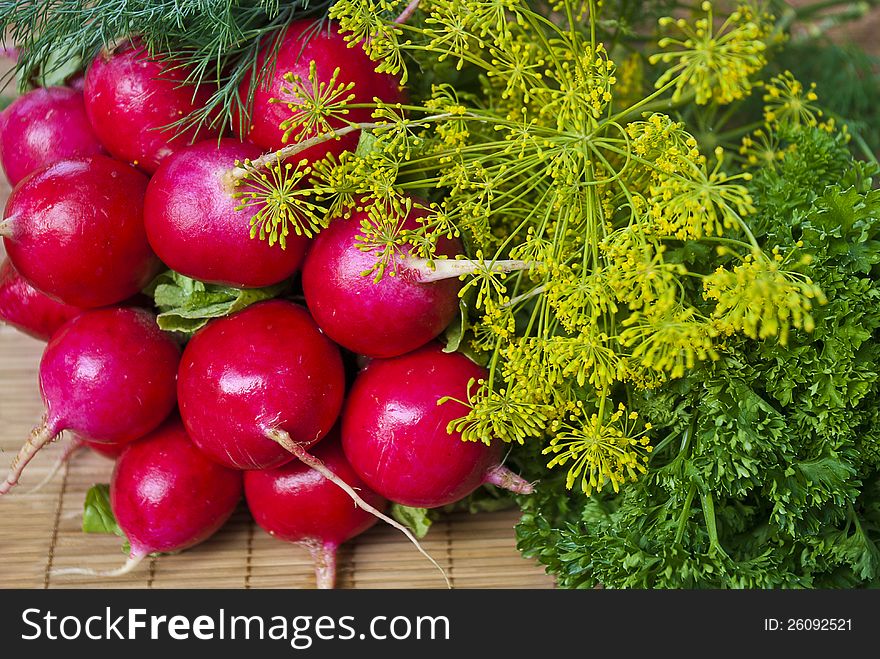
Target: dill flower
761,299
715,64
763,149
498,415
601,451
313,104
700,202
670,340
787,101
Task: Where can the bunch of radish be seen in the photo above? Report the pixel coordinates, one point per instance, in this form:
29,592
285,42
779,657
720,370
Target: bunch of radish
258,403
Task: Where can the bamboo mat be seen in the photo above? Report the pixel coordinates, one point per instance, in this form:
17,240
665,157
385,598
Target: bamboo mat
40,532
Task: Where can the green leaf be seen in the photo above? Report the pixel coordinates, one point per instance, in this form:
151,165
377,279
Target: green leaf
457,328
186,305
98,516
417,520
366,145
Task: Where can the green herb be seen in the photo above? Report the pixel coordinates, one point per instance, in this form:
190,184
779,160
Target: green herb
186,305
98,516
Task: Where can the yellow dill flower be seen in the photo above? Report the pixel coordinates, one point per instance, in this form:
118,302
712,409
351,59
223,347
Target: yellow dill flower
715,64
636,271
763,149
630,81
601,451
578,88
364,24
699,202
761,299
498,415
578,301
788,102
670,340
587,358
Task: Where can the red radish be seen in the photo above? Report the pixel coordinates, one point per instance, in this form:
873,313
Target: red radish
266,368
301,44
132,99
44,126
379,319
75,230
261,386
394,431
27,309
297,504
107,374
192,221
168,496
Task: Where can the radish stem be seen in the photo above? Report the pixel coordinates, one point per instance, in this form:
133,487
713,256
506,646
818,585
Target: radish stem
502,477
6,227
324,556
424,271
285,440
133,561
40,436
407,12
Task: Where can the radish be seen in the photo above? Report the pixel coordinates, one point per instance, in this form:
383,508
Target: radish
379,319
263,370
294,51
264,385
394,431
107,374
132,99
44,126
168,496
297,504
75,230
192,221
27,309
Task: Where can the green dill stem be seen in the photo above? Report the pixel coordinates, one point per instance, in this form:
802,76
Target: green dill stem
711,522
646,104
538,290
865,149
738,132
685,513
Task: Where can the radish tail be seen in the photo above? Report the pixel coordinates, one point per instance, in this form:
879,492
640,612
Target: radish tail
502,477
407,13
6,227
133,561
40,436
284,439
74,446
424,272
324,557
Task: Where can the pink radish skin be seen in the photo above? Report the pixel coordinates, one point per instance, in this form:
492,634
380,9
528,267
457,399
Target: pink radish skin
379,319
297,504
75,230
394,432
266,368
107,374
44,126
191,221
24,307
132,99
299,46
167,495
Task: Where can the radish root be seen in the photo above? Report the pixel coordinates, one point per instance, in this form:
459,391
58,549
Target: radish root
68,451
133,561
285,440
43,434
324,557
502,477
424,272
6,227
407,12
